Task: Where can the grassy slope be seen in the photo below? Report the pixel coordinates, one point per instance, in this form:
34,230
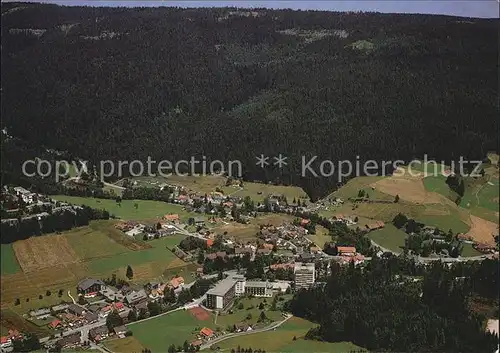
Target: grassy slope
281,340
100,257
158,333
9,264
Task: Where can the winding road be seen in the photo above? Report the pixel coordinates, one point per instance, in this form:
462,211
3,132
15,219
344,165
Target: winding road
232,335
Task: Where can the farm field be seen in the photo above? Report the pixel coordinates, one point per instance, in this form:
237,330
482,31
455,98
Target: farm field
9,264
124,345
78,253
44,252
353,186
175,328
258,191
389,237
146,263
146,210
281,340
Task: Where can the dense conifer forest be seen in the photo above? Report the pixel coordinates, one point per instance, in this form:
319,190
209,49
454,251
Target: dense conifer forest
383,310
171,83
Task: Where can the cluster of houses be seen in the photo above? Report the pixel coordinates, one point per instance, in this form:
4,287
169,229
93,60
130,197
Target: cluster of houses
163,228
7,341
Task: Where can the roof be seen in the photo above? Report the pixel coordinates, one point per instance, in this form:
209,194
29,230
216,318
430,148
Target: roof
222,287
176,282
206,332
100,330
258,284
304,221
76,309
210,242
55,323
197,343
136,295
171,217
268,246
199,219
88,282
4,339
346,249
122,328
71,339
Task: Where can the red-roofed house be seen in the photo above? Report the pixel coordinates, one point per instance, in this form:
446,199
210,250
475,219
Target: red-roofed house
172,218
56,323
346,250
5,342
210,242
268,246
206,332
176,282
304,222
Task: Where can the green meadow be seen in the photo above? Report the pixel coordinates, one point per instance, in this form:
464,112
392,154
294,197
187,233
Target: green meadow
146,209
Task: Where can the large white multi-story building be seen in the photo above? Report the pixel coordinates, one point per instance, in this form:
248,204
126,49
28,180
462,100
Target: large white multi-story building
222,294
304,275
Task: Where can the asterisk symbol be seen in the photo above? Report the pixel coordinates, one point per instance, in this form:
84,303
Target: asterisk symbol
280,160
262,161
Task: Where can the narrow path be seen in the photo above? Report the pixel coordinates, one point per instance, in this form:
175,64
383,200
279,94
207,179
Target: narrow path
73,299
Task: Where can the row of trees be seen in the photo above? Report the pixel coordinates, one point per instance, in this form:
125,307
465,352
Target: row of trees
23,228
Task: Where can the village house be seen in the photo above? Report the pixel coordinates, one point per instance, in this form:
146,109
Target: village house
90,318
7,341
206,333
76,310
173,218
241,252
197,221
90,287
59,308
346,250
40,313
55,324
136,296
196,343
375,225
98,333
70,341
120,330
176,282
112,293
484,248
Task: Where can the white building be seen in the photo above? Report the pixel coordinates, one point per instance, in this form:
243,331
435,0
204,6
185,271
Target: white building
222,294
304,275
259,289
239,289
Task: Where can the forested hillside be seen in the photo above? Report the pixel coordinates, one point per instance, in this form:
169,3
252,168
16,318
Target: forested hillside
123,83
